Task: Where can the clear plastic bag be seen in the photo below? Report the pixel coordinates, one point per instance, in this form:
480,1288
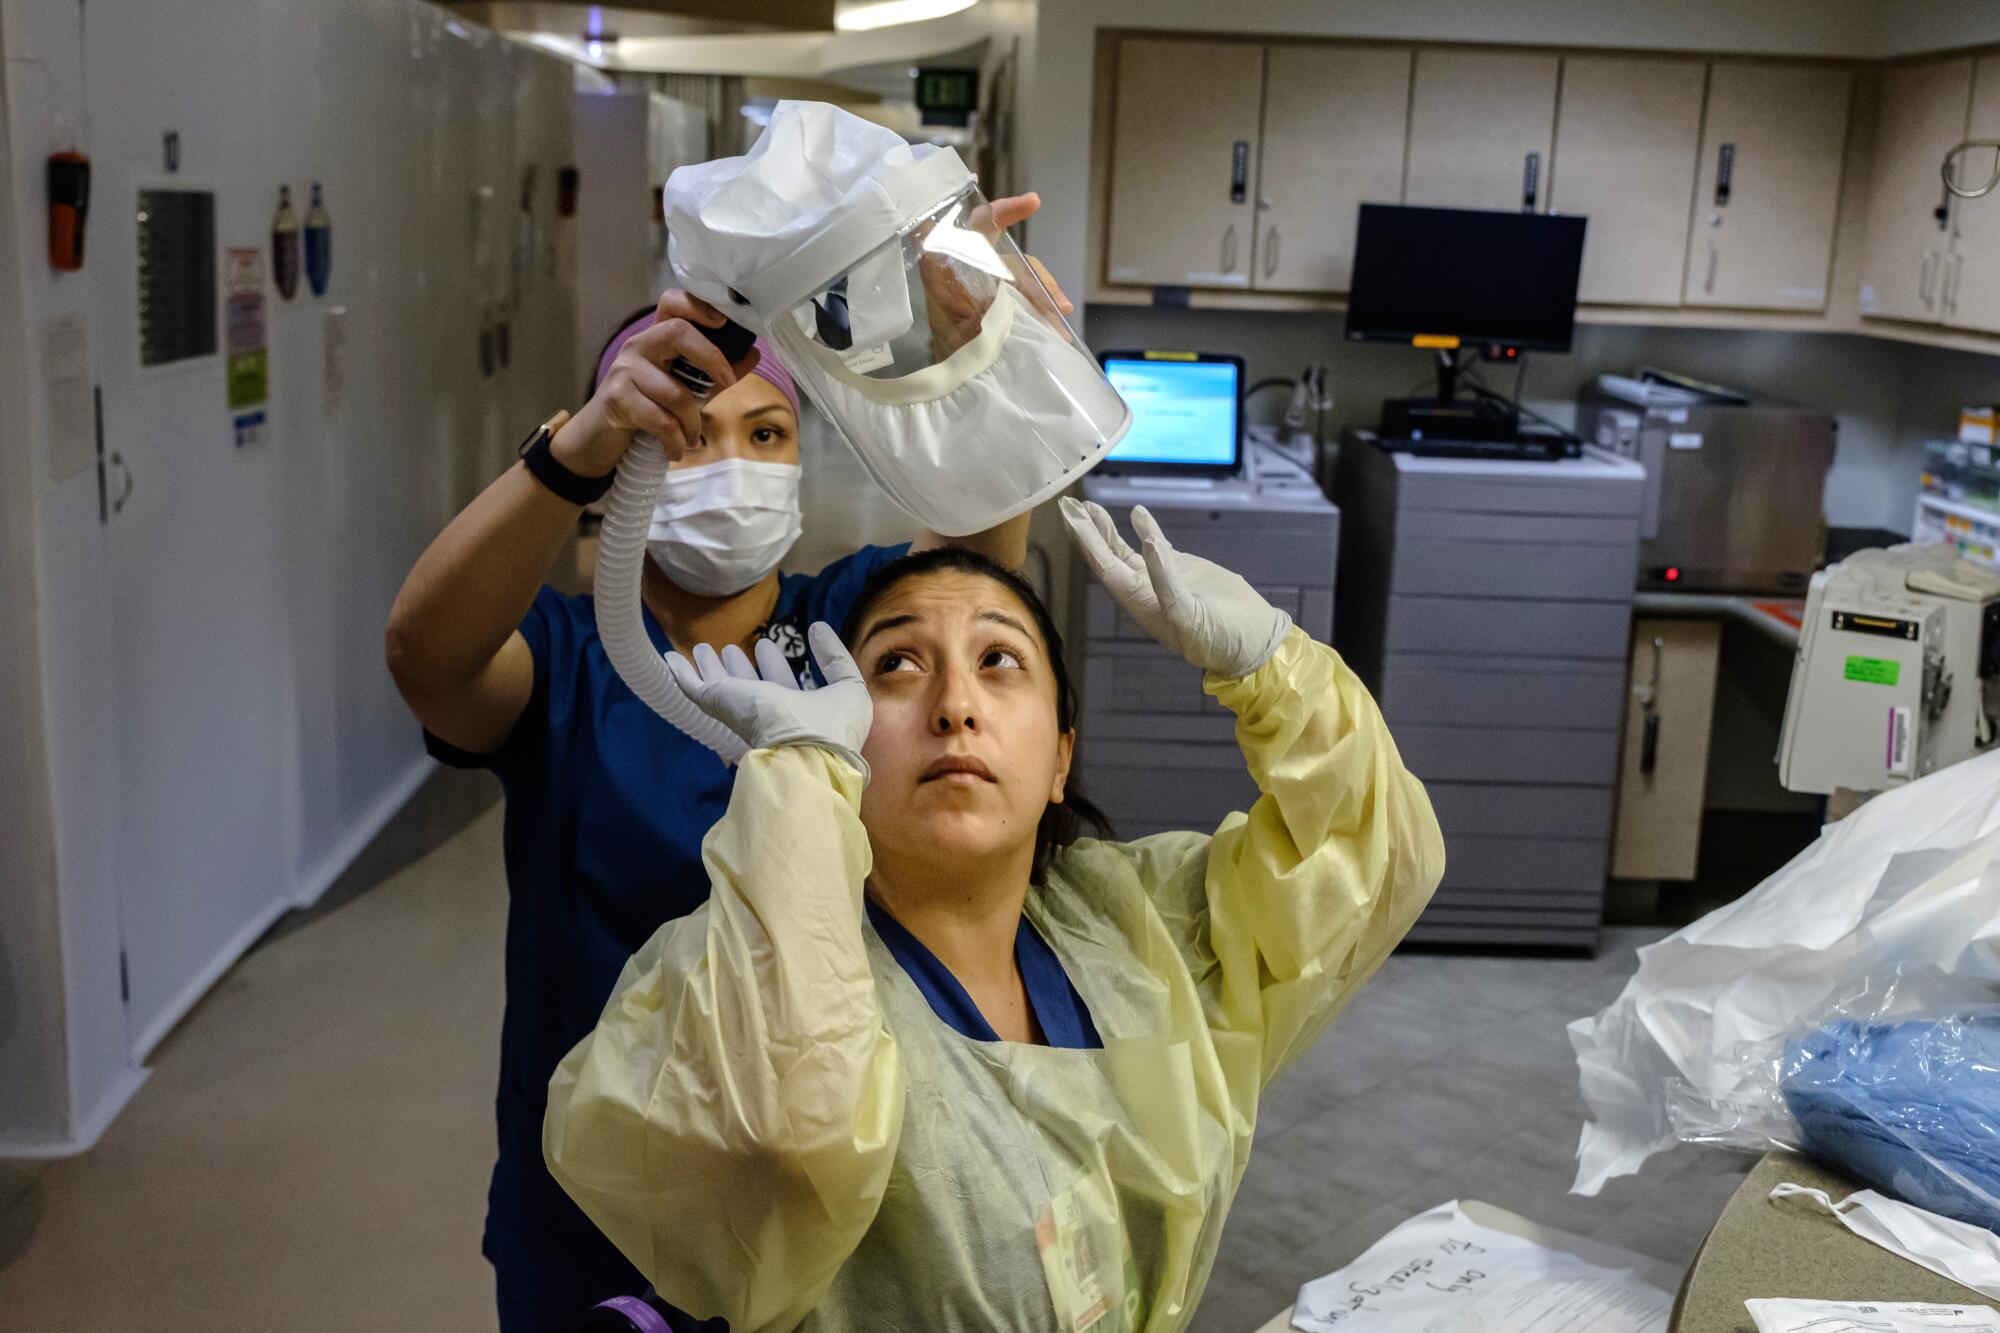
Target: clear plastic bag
1909,1105
1897,1084
1891,917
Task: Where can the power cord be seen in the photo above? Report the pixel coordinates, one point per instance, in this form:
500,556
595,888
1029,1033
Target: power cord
1479,386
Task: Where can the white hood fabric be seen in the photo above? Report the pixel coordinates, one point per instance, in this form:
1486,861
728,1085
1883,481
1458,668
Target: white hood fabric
1909,882
819,189
823,214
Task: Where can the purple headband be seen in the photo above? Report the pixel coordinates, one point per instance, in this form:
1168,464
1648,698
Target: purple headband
768,367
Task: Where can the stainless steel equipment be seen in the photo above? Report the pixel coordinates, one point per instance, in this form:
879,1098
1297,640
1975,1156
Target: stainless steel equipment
1899,660
1733,482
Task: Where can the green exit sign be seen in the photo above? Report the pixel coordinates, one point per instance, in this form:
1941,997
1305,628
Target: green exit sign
947,96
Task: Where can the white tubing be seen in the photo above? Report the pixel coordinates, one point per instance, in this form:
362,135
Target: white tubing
621,624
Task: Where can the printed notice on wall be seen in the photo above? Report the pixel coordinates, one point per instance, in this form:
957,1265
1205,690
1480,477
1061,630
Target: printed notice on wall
1442,1270
247,343
66,389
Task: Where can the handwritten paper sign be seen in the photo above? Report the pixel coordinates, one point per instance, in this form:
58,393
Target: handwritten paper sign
1442,1271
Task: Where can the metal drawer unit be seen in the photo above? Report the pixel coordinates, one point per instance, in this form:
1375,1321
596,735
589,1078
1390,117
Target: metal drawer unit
1154,752
1487,604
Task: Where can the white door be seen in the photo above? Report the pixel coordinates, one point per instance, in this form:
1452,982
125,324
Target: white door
198,813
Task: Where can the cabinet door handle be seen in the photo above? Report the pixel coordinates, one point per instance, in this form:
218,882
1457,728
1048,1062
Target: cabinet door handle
125,478
1954,267
1531,181
1229,248
1708,283
1271,251
1649,697
1925,273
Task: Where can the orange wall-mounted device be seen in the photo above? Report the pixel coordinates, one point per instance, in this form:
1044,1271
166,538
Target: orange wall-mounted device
69,205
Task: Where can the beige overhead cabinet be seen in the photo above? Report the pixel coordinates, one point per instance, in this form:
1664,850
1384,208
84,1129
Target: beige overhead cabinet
1335,120
1185,153
1908,263
1259,190
1628,138
1482,125
1768,191
1970,291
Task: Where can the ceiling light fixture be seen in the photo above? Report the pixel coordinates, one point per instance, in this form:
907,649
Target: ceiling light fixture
891,13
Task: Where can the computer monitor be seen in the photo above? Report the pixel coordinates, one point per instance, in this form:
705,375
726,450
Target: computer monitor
1451,277
1187,412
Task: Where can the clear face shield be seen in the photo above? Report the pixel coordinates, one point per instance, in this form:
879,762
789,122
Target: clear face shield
913,322
946,364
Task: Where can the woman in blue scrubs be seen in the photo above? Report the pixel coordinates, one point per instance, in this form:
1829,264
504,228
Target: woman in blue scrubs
607,803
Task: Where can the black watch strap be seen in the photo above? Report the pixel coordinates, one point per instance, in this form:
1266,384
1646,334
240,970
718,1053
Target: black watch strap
545,467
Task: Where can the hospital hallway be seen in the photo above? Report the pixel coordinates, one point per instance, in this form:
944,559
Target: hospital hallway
314,1143
1226,495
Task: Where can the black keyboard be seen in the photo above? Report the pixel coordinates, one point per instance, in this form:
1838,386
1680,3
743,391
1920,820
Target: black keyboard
1532,449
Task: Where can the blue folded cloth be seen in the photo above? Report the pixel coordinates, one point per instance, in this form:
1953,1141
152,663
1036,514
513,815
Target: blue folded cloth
1910,1107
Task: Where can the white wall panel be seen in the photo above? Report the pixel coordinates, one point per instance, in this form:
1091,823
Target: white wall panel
280,561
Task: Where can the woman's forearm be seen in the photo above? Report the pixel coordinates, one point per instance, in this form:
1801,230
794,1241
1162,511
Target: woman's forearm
731,1122
470,588
1334,861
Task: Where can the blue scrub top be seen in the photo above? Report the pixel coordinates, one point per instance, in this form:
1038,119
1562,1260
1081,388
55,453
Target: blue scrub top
1059,1010
607,805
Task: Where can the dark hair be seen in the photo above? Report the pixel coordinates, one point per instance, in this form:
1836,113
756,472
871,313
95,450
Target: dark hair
1065,820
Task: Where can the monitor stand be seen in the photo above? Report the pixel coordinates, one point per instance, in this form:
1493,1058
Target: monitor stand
1447,416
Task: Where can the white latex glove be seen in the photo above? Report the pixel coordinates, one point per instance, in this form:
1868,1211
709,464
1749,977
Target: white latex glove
770,709
1202,611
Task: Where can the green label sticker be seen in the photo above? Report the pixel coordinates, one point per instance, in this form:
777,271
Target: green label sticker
249,378
1874,670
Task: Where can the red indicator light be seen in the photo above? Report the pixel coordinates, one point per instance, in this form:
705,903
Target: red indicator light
1673,573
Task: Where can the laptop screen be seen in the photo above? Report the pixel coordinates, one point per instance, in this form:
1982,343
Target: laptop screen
1185,413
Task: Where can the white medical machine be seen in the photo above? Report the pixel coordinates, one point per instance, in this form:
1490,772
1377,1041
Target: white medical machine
1899,660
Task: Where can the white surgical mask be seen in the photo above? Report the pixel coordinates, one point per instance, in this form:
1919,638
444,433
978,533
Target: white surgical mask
720,527
1968,1255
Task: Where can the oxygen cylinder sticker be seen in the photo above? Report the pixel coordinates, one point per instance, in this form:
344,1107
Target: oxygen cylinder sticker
319,244
285,245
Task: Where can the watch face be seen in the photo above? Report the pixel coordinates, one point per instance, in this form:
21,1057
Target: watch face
534,436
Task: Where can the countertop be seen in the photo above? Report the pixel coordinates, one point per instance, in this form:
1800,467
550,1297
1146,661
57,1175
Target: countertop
1790,1248
1777,617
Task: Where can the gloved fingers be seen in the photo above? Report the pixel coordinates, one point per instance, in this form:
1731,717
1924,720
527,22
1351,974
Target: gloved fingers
686,676
1089,542
1107,558
737,663
772,666
835,662
708,663
1159,555
1114,541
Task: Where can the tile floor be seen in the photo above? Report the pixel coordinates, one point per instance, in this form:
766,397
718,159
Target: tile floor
313,1146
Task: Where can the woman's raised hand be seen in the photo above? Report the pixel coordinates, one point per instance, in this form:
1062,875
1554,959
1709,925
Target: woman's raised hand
640,393
764,705
1200,610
